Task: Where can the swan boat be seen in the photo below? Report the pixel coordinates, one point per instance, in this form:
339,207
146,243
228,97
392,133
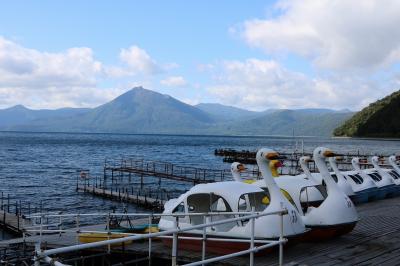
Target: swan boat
358,195
389,175
368,180
395,172
334,216
227,197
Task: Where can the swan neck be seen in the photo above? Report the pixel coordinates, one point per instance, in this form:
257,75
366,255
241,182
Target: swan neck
305,169
335,168
323,169
268,178
356,166
236,176
394,165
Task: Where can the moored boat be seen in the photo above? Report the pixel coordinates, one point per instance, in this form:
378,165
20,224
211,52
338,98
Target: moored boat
225,198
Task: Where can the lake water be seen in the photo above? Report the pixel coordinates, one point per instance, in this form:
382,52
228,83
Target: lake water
41,167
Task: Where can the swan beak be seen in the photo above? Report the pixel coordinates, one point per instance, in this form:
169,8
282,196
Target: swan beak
272,155
278,164
328,153
308,160
241,168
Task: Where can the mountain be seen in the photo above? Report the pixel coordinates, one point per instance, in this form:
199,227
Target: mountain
19,114
136,111
302,122
379,119
226,113
144,111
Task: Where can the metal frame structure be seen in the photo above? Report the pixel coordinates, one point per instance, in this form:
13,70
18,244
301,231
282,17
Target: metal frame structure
44,255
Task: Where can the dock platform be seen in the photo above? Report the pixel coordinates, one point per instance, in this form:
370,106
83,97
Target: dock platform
124,196
374,241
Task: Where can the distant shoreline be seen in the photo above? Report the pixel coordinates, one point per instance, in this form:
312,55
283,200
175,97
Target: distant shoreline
199,135
166,134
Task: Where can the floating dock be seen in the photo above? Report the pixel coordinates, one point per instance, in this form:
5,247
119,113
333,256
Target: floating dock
11,215
125,195
374,241
162,170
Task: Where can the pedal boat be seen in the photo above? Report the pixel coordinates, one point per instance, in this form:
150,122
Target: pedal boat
377,188
227,197
334,216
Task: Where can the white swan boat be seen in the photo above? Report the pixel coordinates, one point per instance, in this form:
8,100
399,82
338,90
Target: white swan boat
232,196
395,172
356,193
334,216
385,185
393,187
360,181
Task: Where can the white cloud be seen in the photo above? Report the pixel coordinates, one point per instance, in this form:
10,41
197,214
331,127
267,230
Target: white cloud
338,34
262,84
49,80
174,81
138,60
68,78
28,68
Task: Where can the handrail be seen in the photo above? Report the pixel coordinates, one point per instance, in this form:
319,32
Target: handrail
44,215
44,255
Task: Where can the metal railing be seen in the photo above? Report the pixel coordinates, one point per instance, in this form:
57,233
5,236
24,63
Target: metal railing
42,228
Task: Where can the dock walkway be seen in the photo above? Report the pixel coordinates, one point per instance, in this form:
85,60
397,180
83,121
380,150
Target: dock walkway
124,196
374,241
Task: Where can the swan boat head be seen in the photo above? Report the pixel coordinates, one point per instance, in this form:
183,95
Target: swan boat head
236,169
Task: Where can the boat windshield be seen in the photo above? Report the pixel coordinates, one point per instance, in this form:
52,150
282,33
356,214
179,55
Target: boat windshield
257,200
210,202
356,178
394,174
375,176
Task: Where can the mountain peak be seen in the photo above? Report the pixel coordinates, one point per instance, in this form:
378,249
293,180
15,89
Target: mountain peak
18,107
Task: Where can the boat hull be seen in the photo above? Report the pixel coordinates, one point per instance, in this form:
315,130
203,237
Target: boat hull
391,191
96,237
326,232
375,194
360,197
223,245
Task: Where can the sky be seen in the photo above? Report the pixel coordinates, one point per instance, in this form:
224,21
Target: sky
251,54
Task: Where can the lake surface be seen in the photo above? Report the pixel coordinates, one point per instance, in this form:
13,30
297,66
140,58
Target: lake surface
42,167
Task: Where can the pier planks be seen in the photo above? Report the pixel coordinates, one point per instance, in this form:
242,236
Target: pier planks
12,222
123,196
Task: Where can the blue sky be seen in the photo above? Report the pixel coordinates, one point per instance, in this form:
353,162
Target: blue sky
255,55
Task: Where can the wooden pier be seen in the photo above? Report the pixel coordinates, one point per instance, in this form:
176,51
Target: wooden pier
126,195
11,217
374,241
163,170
